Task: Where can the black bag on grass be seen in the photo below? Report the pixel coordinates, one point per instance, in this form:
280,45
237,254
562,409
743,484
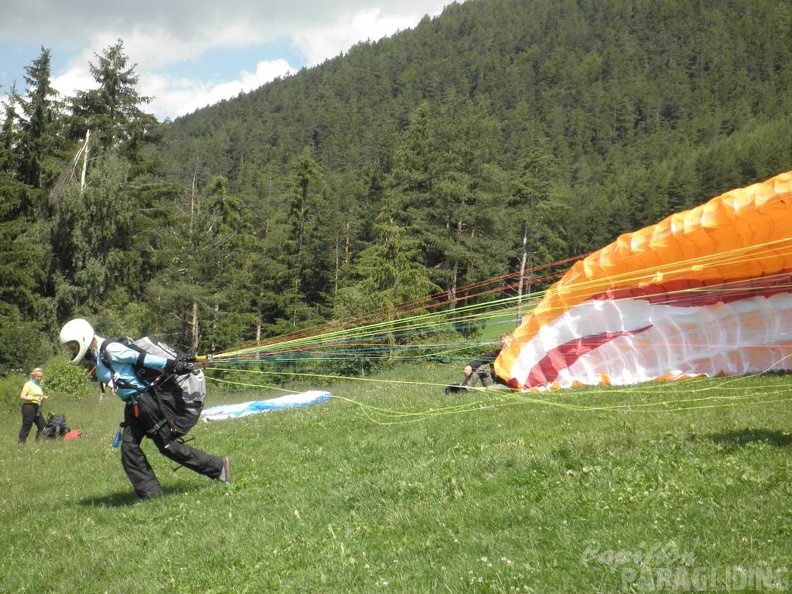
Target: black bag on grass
56,427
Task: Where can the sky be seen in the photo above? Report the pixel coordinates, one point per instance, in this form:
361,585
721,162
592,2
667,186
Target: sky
192,53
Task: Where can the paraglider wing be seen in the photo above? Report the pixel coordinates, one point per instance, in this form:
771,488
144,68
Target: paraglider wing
703,292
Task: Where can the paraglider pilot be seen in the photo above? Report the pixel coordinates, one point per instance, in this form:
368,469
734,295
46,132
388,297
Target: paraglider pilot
142,417
481,370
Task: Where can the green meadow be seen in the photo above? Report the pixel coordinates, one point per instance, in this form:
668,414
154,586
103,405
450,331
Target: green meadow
392,486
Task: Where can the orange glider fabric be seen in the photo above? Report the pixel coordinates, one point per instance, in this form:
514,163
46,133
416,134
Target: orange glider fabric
736,250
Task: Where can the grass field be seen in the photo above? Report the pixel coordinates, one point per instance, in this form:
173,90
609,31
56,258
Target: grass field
395,487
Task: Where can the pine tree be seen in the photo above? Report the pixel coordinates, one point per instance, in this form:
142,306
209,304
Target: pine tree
450,191
92,237
39,122
103,220
306,184
112,111
9,136
389,271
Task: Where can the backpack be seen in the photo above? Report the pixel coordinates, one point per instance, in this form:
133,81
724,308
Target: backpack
180,397
56,427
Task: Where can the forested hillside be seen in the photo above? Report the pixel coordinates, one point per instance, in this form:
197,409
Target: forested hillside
417,164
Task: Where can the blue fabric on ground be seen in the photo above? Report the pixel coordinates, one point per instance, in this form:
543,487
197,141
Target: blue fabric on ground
244,409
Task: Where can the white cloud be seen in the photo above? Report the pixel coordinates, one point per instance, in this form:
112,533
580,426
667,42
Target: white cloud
159,35
180,96
323,41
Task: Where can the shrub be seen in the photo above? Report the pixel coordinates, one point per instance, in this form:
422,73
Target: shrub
65,380
10,388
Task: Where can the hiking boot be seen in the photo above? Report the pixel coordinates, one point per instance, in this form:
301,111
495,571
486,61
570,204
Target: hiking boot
150,496
225,473
456,388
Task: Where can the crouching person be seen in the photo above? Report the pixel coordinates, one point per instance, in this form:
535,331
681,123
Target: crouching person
481,369
120,368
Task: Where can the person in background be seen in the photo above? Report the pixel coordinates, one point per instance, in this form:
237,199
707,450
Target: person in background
32,396
143,417
481,368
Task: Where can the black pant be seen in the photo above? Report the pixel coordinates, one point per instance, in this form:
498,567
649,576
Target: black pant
31,413
147,420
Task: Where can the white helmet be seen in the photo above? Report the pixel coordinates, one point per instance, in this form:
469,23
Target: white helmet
77,334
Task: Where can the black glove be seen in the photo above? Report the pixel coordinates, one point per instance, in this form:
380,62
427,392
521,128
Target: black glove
182,367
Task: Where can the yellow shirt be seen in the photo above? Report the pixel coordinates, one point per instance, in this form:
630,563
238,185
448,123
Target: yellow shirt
34,392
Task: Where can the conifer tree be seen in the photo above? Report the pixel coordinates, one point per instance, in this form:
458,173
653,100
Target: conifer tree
451,191
538,213
112,111
306,184
39,122
8,136
389,272
100,218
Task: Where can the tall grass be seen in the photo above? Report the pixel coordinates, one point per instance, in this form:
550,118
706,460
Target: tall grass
396,487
